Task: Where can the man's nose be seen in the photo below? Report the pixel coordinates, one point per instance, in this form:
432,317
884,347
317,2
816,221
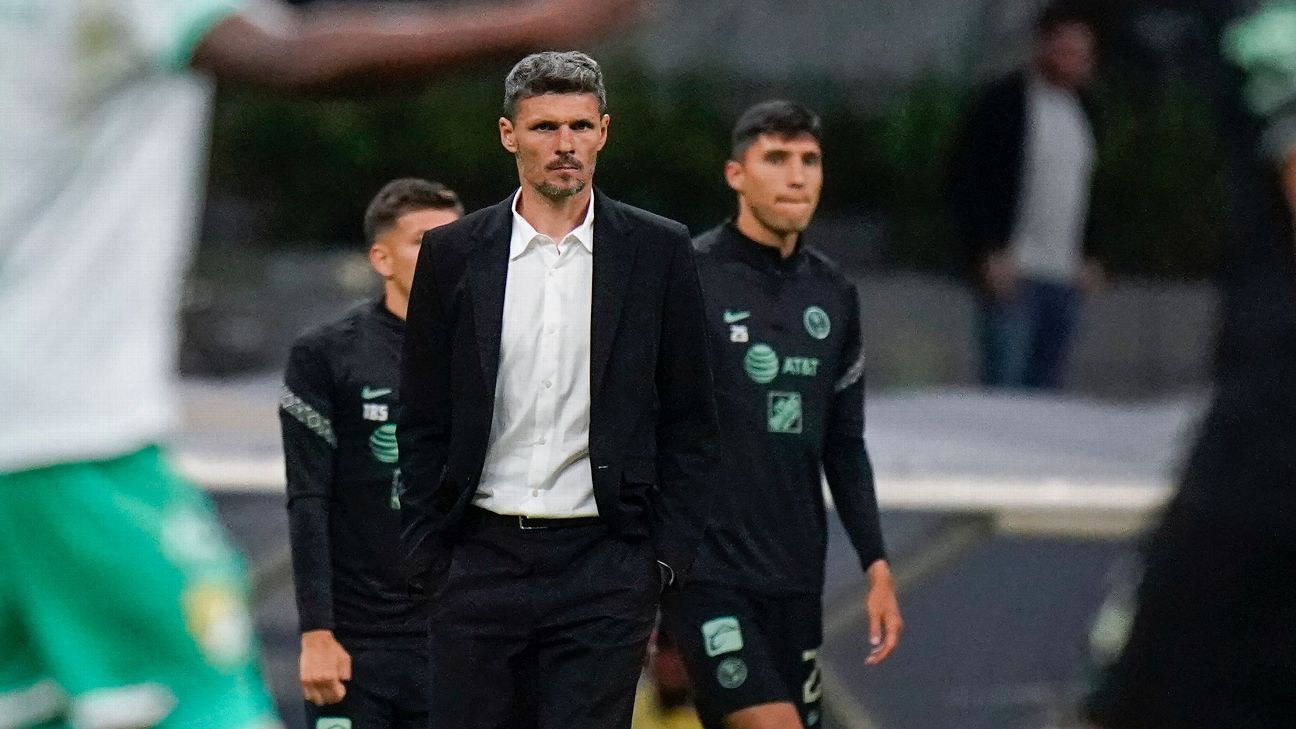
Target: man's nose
566,140
797,175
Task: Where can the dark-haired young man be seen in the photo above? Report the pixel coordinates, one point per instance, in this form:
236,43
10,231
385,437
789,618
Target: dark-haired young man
363,655
789,371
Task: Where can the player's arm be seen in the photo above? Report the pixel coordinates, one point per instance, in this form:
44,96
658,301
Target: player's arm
272,44
688,428
424,431
309,442
850,479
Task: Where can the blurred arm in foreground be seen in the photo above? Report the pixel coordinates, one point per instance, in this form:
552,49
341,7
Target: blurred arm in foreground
270,44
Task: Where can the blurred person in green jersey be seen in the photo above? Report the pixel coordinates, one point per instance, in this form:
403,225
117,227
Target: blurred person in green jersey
121,602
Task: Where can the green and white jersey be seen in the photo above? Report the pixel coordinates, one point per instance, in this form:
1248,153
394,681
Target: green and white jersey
103,139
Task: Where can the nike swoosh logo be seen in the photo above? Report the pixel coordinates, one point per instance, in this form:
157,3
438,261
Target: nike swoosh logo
733,317
369,394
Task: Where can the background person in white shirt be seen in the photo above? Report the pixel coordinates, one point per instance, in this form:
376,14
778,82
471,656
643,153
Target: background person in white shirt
1020,181
558,431
120,599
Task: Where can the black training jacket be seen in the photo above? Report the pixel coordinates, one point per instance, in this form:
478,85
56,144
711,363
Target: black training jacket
338,410
789,373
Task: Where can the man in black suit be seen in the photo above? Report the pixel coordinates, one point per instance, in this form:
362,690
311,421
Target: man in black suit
558,429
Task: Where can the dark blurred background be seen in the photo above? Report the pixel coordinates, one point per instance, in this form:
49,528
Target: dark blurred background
289,180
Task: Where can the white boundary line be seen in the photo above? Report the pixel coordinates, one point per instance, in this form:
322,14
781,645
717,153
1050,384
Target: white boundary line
983,494
225,474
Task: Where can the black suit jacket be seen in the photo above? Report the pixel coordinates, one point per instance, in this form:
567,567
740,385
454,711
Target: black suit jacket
653,425
987,165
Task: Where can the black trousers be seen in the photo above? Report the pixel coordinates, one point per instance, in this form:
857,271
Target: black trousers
387,690
540,629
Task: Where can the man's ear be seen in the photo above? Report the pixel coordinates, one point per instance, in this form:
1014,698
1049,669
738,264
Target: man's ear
507,138
734,174
381,261
605,122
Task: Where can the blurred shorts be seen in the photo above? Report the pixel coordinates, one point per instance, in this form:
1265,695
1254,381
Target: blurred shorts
1213,640
122,603
745,649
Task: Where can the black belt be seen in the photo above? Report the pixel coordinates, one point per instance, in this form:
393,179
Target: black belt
517,521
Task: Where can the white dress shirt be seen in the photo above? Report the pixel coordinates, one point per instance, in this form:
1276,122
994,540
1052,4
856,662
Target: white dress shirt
1048,238
537,460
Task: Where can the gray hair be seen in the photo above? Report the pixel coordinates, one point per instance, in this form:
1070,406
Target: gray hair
553,72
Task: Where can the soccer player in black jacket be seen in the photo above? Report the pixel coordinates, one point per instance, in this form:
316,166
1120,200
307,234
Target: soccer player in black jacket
789,370
363,653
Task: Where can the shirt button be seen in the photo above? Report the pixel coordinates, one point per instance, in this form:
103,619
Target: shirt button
553,329
548,384
543,441
534,492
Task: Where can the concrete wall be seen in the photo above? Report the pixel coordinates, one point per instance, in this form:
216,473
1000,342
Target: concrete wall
1136,339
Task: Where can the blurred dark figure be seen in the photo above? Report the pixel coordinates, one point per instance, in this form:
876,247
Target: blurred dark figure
1020,186
1213,638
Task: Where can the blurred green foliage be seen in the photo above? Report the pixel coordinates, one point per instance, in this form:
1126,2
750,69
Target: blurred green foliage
309,167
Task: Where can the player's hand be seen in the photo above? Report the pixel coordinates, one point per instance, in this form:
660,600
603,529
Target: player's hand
578,20
325,665
999,273
885,623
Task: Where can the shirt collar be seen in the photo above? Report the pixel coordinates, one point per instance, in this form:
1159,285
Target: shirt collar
386,316
524,234
763,257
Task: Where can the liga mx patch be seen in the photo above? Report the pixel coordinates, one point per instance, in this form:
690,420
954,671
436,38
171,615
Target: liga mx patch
721,635
784,412
329,722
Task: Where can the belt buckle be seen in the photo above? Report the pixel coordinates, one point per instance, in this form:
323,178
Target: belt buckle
522,524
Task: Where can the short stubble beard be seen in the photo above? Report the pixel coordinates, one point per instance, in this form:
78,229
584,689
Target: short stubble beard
554,193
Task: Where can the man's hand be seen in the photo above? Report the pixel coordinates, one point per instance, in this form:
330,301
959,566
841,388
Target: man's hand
325,665
1000,276
1092,277
885,623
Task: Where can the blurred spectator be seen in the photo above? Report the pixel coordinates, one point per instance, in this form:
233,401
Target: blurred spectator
1020,185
